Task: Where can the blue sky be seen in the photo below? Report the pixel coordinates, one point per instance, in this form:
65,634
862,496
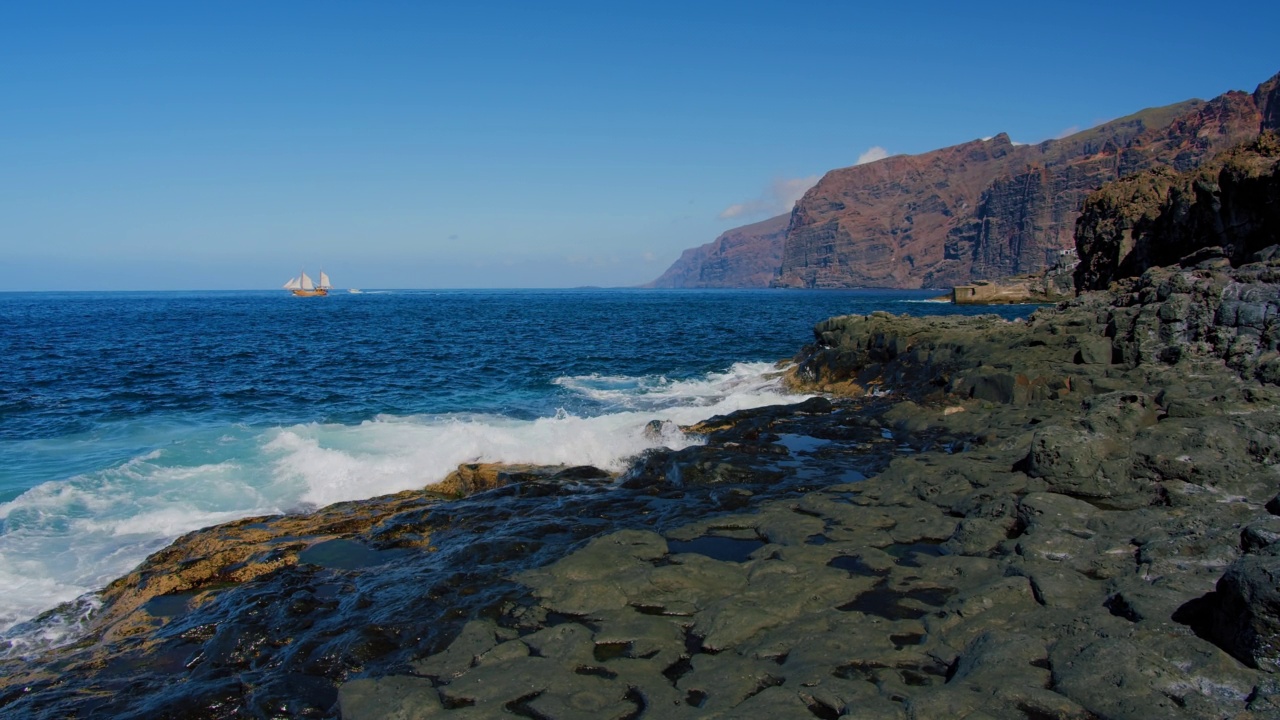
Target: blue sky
492,144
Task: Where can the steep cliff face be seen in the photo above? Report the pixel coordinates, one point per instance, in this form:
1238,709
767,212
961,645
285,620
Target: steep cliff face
989,208
1228,208
881,224
981,210
748,256
1267,98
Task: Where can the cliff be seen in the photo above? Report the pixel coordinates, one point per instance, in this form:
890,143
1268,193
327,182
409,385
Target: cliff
1227,209
991,208
981,210
747,256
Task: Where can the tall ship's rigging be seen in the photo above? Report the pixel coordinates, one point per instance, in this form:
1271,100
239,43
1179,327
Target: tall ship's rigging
304,286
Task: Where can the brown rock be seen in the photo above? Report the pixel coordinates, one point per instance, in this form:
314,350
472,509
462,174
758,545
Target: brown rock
201,563
981,210
1229,208
1040,288
477,477
747,256
989,208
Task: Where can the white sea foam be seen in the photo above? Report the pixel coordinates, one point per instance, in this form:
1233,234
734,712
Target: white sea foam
63,539
742,382
66,538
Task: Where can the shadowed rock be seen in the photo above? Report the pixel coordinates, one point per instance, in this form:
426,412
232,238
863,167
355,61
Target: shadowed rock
1246,620
1223,212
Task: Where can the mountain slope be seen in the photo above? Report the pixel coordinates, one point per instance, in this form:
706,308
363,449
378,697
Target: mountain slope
980,210
747,256
1223,211
988,208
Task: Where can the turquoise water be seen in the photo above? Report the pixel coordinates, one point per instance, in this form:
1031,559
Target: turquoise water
127,419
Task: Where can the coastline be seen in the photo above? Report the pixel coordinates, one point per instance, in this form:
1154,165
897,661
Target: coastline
282,433
1100,546
1025,529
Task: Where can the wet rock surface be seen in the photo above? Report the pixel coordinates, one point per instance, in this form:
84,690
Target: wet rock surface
266,617
1066,517
1084,534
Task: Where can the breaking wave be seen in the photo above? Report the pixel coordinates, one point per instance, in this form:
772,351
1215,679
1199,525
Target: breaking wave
63,540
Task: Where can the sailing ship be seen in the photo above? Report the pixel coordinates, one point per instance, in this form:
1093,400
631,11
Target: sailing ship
304,286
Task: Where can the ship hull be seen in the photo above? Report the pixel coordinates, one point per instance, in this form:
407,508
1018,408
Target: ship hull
318,292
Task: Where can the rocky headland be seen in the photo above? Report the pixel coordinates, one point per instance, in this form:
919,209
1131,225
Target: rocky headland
979,211
1227,209
747,256
1070,516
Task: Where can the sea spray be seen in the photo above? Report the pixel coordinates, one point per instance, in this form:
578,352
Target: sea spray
127,419
64,539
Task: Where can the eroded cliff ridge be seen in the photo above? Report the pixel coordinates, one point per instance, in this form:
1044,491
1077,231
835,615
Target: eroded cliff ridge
1229,208
980,210
991,208
747,256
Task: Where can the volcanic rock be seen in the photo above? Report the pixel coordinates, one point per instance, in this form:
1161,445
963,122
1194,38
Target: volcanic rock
747,256
1229,208
984,210
1070,543
1246,620
989,209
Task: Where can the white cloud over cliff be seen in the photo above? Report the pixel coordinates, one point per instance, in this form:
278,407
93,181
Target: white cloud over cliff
779,197
873,153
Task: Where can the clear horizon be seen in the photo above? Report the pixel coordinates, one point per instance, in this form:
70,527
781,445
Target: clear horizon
153,146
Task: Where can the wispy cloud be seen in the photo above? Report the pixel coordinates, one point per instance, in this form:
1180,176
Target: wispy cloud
779,197
873,153
1067,132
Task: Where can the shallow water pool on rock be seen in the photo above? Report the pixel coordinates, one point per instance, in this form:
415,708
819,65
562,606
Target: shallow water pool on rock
801,443
717,548
346,555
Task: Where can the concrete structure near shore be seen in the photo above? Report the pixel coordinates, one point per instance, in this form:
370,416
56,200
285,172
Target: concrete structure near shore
1008,292
1052,285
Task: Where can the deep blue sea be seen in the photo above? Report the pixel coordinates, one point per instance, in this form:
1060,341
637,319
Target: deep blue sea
127,419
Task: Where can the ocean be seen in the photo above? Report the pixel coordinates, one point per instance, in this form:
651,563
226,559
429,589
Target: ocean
128,419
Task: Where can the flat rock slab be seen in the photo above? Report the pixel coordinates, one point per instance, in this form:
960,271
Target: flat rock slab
1056,557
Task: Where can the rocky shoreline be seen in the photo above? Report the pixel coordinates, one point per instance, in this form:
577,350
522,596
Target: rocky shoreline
1071,516
1090,535
1067,517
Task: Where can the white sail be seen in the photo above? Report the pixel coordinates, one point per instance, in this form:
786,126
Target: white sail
293,284
307,284
324,281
